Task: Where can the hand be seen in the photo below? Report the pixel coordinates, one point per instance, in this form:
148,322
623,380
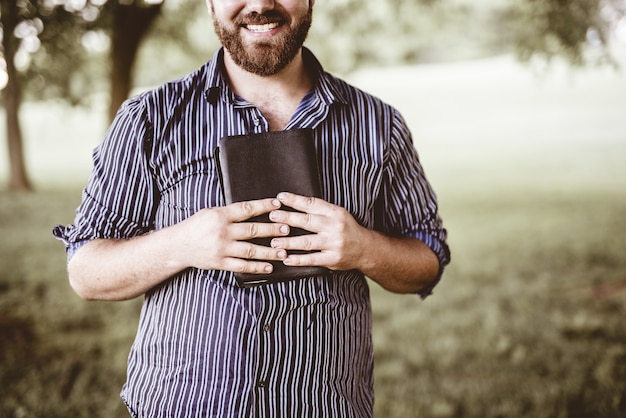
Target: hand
214,238
337,239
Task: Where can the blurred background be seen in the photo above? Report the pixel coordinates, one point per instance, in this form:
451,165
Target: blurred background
518,111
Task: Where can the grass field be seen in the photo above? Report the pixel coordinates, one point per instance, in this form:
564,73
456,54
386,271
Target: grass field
527,322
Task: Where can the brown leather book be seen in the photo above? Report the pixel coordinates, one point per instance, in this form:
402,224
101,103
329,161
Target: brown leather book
259,166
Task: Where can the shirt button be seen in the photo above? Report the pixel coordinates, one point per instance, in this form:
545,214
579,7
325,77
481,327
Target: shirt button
267,327
261,383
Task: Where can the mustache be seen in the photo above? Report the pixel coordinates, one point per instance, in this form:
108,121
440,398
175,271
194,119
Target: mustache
271,16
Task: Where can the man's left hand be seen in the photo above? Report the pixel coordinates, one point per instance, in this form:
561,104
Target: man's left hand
336,239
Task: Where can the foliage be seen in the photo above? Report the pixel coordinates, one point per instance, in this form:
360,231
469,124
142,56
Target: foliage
50,57
360,35
347,34
351,33
63,69
64,46
552,28
180,40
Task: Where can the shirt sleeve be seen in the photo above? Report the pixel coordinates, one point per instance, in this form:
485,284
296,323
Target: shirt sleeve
407,203
120,197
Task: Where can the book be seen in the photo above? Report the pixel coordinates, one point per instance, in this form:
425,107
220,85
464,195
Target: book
258,166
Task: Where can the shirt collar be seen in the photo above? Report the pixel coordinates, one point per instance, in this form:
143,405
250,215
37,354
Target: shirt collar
324,84
216,87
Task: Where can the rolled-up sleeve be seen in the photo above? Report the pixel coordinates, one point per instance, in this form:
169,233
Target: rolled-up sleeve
120,197
409,204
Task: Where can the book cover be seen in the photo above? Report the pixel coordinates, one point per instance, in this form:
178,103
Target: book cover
259,166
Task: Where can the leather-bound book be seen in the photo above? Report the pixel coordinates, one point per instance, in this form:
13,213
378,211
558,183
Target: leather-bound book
259,166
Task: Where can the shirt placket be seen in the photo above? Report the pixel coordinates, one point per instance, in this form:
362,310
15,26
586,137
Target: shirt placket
266,358
250,116
258,123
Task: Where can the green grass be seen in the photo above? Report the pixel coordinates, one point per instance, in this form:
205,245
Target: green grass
527,322
59,356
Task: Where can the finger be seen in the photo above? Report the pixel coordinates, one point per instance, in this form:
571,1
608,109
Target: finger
243,231
303,203
318,258
239,265
248,251
306,221
241,211
308,242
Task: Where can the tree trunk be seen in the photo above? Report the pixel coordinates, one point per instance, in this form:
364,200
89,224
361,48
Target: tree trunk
18,179
130,24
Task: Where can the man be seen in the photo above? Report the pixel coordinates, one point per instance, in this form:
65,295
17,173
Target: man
153,222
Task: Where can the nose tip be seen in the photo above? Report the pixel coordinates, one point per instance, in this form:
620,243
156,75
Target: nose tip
259,6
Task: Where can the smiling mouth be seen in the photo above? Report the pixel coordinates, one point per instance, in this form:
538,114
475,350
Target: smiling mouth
262,28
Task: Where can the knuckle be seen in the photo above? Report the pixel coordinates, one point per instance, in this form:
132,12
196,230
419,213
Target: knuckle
342,228
220,247
211,216
250,252
307,243
241,267
247,207
253,230
224,238
340,242
334,262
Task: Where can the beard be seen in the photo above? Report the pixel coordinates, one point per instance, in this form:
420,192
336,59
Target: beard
264,58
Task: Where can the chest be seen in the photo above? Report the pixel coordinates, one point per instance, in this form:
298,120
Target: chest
184,163
277,111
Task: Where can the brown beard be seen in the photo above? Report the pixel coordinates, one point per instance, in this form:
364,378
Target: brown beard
266,58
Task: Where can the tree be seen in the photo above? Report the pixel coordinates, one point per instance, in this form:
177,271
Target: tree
364,33
58,28
130,23
560,28
18,180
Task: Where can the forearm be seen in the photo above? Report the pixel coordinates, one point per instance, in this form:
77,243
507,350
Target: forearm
338,242
212,239
106,269
400,265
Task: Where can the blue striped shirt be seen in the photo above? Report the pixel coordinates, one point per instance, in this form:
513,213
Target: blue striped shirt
205,347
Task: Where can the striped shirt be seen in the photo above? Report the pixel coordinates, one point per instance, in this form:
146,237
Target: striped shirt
205,347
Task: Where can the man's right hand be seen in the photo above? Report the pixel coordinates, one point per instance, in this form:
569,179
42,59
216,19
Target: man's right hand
211,239
216,238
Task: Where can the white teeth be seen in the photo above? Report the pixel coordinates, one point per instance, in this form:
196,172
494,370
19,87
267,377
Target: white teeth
263,28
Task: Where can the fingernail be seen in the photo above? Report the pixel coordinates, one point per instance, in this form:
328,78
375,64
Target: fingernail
284,229
276,203
282,254
273,216
268,268
281,196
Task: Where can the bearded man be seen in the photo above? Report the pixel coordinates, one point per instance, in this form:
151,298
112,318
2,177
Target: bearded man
153,222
